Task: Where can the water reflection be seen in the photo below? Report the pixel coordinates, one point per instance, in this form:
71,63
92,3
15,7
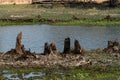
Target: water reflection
21,76
33,74
34,36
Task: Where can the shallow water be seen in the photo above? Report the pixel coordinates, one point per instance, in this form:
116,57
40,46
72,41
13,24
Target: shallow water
18,76
58,75
34,36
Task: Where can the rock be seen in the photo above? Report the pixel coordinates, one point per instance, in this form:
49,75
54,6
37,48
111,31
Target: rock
67,45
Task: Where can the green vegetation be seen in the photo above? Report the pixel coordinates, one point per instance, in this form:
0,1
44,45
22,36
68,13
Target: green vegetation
104,66
90,23
68,74
5,23
58,15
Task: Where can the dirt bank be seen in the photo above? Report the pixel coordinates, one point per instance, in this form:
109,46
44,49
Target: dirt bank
76,57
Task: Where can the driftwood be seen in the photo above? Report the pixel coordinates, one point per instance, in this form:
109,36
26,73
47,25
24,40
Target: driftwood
67,45
113,47
77,47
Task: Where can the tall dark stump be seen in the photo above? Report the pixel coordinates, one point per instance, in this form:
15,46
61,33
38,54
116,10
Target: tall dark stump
66,45
77,47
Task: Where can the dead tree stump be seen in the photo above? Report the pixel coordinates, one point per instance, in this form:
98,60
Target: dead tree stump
116,46
113,47
46,48
110,44
116,43
50,48
66,45
19,52
53,48
77,47
19,47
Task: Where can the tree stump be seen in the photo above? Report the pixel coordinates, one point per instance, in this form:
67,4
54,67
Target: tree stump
50,49
116,46
66,45
113,47
77,47
116,43
46,48
19,47
110,44
53,48
19,52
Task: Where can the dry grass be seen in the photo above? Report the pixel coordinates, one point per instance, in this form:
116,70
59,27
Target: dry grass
56,12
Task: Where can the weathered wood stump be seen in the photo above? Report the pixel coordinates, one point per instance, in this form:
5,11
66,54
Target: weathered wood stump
116,47
116,43
77,47
66,45
53,48
46,48
50,48
113,47
19,52
19,47
110,44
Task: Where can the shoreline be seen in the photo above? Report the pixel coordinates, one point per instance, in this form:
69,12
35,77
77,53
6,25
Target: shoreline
73,61
91,61
59,14
69,58
7,22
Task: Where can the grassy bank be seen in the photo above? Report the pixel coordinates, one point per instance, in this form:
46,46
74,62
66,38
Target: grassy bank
71,74
104,66
59,15
72,22
91,23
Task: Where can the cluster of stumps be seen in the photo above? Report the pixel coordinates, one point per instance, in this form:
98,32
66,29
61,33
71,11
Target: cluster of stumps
113,47
48,49
51,48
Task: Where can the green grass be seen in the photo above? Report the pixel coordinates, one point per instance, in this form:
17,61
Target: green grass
93,16
91,23
69,74
72,22
106,68
6,23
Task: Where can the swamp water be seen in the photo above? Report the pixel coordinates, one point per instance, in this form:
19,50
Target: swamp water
34,37
59,75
